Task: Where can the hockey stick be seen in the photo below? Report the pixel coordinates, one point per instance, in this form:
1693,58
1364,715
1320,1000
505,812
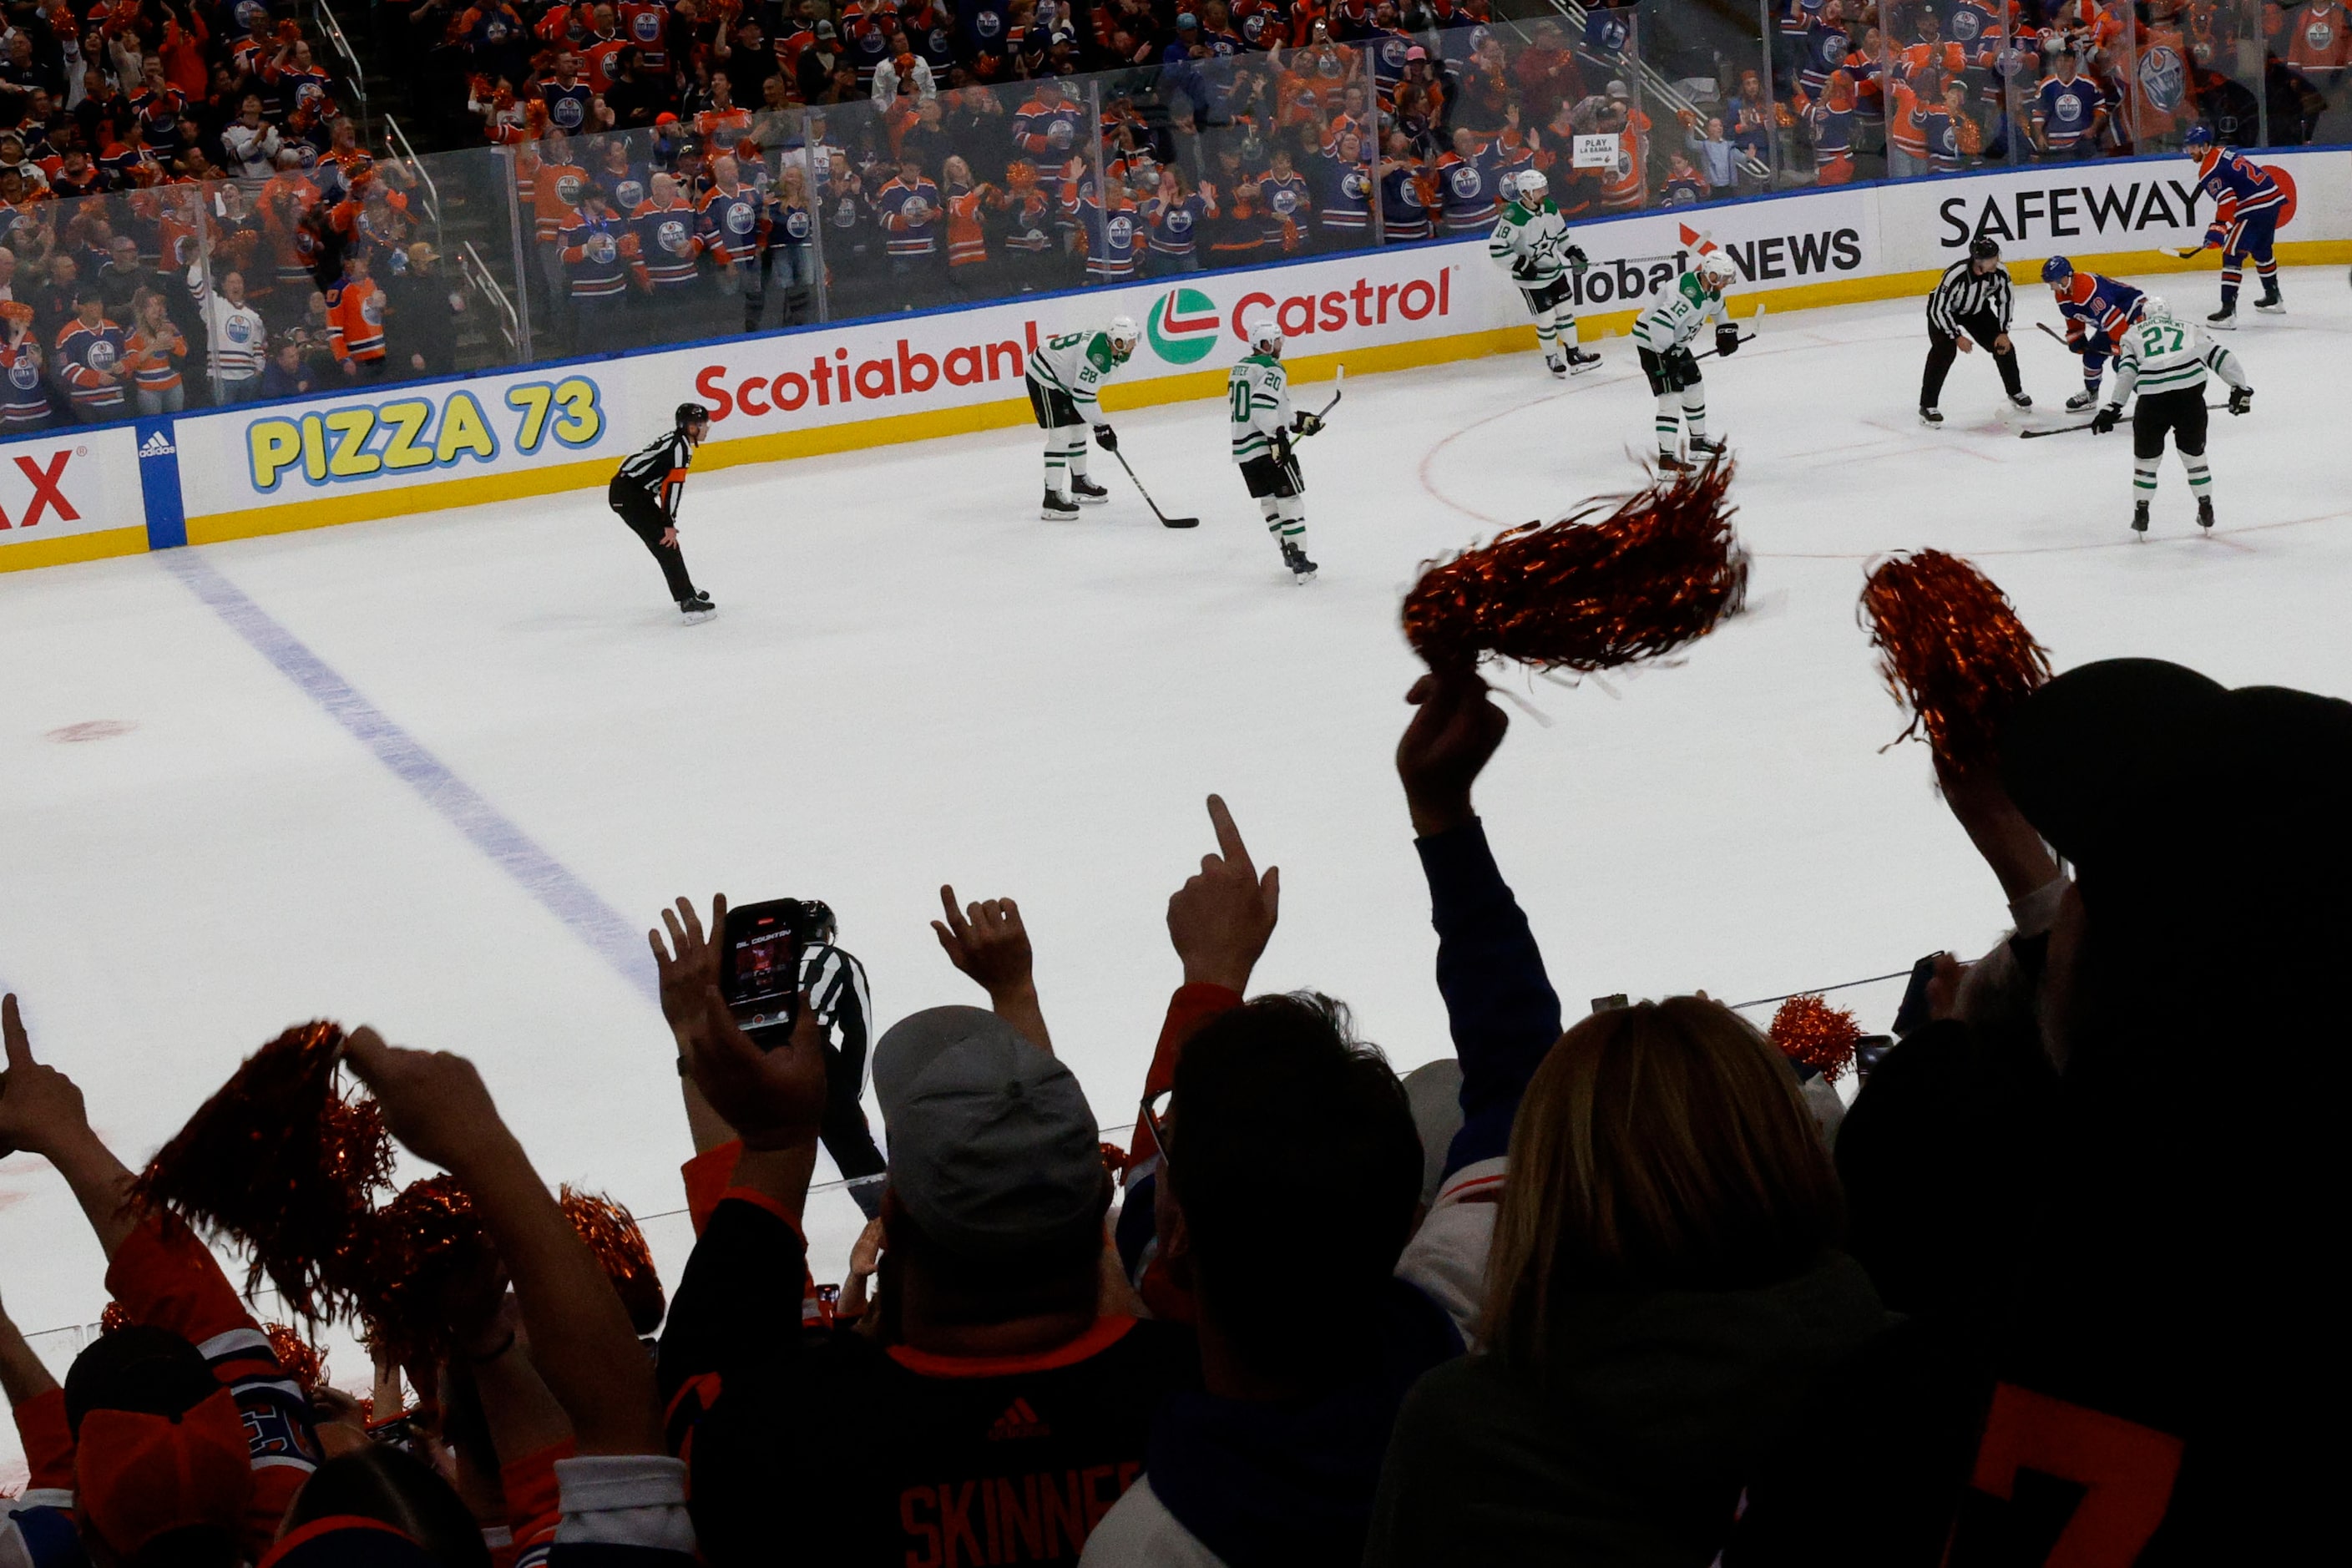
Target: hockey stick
1338,375
2085,425
1165,521
2054,338
1744,337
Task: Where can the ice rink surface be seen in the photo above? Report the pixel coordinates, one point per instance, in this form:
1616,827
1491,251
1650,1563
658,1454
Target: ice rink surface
913,681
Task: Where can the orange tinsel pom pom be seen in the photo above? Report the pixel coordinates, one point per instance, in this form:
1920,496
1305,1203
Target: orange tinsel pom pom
1809,1030
284,1161
1952,651
426,1260
113,1318
613,1235
1657,572
297,1356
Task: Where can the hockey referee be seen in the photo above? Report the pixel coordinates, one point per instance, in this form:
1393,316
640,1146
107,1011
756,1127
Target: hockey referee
645,492
1971,300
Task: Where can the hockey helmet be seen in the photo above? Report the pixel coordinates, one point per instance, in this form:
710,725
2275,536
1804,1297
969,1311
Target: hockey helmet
1265,336
1717,270
2152,308
2057,269
1984,248
691,414
817,924
2198,139
1124,335
1533,187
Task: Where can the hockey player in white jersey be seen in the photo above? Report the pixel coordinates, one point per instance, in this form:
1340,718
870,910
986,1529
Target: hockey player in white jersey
1065,376
2166,360
1257,397
1531,244
1662,335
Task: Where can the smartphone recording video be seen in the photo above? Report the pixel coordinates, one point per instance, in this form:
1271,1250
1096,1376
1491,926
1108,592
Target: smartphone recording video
761,978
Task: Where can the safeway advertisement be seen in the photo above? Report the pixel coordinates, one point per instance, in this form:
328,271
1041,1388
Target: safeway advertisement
67,482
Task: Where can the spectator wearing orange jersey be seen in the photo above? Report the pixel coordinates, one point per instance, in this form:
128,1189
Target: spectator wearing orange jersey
355,322
153,355
971,270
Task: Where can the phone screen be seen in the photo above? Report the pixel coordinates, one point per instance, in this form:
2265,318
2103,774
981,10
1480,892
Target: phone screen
766,980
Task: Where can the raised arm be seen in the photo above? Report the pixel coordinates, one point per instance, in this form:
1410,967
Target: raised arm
1499,1004
42,1113
988,942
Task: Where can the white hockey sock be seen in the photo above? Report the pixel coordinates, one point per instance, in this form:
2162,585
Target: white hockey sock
1695,412
1546,332
1291,515
2200,478
1057,465
1272,510
2144,477
1077,446
1669,420
1563,320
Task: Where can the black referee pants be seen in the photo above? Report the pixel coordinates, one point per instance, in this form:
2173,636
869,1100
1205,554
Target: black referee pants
1942,346
646,521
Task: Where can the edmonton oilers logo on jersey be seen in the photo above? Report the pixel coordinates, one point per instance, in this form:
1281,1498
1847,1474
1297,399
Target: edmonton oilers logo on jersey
1060,134
2163,77
238,331
371,308
796,223
1465,182
647,26
1354,183
568,112
987,24
2069,106
102,355
567,189
494,30
627,195
1178,221
1120,230
670,235
601,248
939,43
1393,51
1286,201
248,12
741,217
1833,48
1966,24
26,374
2319,32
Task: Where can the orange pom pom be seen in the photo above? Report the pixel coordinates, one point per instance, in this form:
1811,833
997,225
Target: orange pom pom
113,1318
284,1161
297,1356
613,1235
424,1256
1809,1030
1659,571
1952,651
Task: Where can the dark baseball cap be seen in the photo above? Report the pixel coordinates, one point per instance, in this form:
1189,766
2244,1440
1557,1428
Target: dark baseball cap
992,1145
159,1443
2150,774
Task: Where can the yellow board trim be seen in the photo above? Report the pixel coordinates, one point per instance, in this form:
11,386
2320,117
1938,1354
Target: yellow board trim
890,431
23,556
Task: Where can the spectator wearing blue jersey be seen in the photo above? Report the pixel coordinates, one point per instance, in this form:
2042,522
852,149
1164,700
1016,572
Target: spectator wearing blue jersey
1343,195
1172,218
1467,185
2069,111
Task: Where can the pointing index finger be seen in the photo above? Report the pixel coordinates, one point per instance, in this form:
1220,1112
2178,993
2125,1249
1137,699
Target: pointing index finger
19,1046
1229,838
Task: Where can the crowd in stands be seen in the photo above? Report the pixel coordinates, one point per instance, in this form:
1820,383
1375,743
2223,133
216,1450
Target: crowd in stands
1625,1291
715,166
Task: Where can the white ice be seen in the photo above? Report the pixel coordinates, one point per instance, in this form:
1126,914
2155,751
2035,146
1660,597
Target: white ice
914,681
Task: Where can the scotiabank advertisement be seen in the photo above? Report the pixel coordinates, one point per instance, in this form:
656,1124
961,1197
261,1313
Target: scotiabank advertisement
404,447
70,485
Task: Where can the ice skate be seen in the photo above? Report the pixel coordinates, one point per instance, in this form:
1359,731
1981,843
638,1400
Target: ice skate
2020,400
1557,365
1930,417
1057,508
2204,511
2139,518
1302,570
1086,492
1668,463
698,609
2272,303
2224,320
1702,448
1579,362
2082,400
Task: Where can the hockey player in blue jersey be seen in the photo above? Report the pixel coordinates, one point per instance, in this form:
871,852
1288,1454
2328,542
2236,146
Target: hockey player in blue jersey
2247,207
2096,309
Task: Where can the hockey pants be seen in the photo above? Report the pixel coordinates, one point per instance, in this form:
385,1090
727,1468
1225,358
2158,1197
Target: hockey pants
1943,349
646,521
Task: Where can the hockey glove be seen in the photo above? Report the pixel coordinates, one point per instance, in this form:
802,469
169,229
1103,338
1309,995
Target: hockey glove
1524,269
1307,424
1577,260
2104,419
1105,437
1726,340
2241,400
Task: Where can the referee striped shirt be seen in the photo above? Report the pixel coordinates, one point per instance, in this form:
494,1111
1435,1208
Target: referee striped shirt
1962,293
659,471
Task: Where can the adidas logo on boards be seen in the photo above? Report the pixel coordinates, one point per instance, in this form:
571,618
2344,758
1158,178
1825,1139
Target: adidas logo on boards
157,446
1018,1421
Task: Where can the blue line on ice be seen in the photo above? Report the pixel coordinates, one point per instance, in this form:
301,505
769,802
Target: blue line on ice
539,874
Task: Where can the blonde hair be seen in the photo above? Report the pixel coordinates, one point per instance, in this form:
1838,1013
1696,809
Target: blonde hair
1658,1146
